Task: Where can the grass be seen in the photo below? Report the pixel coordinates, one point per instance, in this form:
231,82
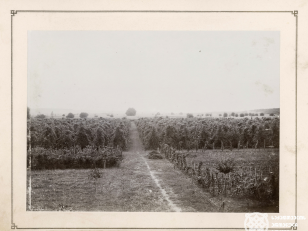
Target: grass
128,188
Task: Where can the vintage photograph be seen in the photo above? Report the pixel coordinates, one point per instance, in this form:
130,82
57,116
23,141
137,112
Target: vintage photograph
153,121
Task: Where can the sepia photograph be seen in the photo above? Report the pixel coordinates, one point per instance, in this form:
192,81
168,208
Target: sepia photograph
153,121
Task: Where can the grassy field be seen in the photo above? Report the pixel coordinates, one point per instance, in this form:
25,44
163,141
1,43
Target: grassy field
142,184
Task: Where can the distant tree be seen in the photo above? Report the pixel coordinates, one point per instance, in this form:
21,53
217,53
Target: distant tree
219,114
236,115
189,115
246,114
232,114
130,112
40,116
83,115
70,115
272,114
28,113
261,114
63,115
225,114
172,113
242,115
95,116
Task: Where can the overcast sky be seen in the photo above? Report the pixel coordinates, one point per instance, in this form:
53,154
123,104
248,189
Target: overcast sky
153,71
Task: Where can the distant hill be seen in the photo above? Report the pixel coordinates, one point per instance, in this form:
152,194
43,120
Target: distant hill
266,111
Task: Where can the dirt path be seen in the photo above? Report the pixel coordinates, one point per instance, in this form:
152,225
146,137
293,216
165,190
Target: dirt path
176,189
136,146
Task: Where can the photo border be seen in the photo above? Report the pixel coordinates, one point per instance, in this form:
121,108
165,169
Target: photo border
14,12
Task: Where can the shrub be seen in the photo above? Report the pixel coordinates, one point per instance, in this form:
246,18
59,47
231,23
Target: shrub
155,155
226,165
54,159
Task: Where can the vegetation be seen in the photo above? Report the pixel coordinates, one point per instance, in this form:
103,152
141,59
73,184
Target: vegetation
40,116
70,115
225,178
189,115
28,113
75,143
209,133
131,112
83,115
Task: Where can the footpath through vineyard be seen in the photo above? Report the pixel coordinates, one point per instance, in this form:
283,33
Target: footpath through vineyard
177,190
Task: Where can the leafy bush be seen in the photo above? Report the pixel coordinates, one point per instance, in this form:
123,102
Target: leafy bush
84,159
155,155
226,165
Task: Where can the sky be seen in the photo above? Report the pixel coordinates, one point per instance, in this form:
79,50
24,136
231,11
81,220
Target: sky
153,71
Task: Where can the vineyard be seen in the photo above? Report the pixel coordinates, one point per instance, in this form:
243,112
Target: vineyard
219,173
199,164
76,143
209,133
